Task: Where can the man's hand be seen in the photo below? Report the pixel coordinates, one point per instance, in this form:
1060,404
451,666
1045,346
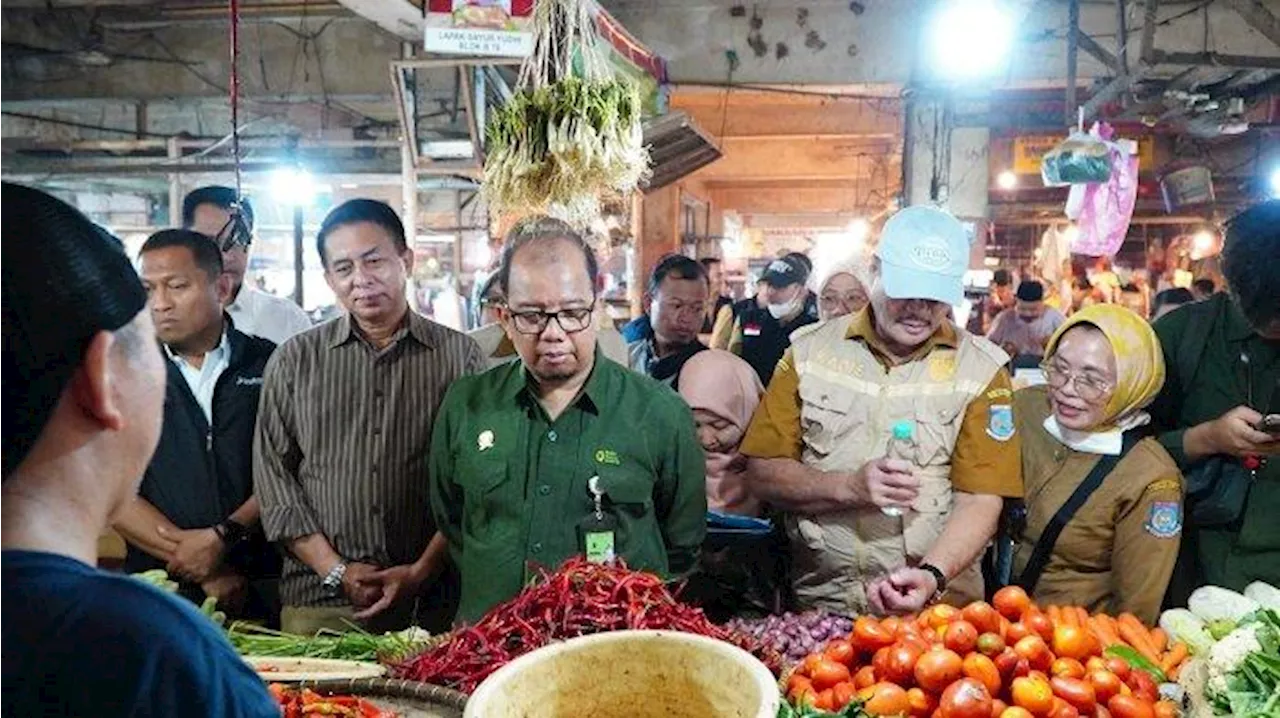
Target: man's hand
906,590
885,482
360,587
198,553
230,588
395,583
1233,433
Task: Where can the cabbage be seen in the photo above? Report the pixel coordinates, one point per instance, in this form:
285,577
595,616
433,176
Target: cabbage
1219,607
1264,594
1183,625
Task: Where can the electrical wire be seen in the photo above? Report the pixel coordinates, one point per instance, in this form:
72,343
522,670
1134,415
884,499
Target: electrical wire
234,8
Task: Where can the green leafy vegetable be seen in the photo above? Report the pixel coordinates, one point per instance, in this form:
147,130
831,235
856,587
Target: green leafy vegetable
354,645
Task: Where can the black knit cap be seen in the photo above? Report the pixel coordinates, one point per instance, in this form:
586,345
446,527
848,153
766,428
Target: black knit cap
63,279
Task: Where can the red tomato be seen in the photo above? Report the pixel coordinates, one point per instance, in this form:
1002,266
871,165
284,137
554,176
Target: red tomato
1166,709
864,677
1068,667
983,670
982,616
1076,692
966,698
1072,642
1036,651
1033,694
826,700
797,681
1063,709
805,695
921,704
811,662
997,707
990,644
840,651
1102,713
884,699
900,667
939,615
1017,632
936,669
892,624
827,673
1143,685
1016,712
1105,685
869,635
1011,602
1118,666
1098,663
1130,707
842,693
1039,624
960,636
1006,662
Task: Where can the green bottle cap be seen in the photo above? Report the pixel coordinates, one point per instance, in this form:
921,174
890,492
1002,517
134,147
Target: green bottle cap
903,430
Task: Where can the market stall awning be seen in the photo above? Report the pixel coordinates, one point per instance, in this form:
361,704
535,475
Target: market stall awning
677,147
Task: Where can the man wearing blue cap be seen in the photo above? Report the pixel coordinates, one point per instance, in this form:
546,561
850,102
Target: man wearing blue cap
888,438
83,398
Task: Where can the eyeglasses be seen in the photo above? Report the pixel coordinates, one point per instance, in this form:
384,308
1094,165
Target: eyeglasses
571,321
235,232
1090,388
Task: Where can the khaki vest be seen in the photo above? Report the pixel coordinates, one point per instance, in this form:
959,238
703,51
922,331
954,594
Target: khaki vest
849,404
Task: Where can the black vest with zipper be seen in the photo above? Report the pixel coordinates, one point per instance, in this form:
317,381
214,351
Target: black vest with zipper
765,340
201,473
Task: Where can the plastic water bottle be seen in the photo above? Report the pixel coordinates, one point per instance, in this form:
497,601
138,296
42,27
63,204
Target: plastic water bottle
902,447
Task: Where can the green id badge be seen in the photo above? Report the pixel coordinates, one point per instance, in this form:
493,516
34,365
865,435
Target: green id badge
597,538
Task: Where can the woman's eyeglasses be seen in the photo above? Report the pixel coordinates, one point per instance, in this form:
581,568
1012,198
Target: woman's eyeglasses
1090,388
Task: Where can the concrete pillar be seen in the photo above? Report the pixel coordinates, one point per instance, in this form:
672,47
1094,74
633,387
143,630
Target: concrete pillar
946,165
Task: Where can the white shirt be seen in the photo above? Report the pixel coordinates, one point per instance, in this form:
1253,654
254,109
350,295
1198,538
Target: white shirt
266,315
201,381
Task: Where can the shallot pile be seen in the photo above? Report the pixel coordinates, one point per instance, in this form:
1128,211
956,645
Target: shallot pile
795,635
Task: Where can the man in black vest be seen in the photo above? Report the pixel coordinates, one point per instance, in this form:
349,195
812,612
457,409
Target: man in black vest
762,333
196,514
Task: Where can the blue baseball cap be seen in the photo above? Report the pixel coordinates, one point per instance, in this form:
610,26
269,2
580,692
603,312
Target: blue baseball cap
923,254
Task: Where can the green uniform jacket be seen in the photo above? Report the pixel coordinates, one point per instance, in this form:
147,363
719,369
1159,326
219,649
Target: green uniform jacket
509,487
1228,556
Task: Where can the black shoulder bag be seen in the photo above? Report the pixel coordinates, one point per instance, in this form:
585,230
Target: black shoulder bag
1049,537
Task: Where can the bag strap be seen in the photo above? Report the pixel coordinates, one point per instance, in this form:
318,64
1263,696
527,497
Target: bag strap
1049,537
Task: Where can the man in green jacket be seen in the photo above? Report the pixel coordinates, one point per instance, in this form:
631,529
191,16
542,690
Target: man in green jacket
562,453
1223,359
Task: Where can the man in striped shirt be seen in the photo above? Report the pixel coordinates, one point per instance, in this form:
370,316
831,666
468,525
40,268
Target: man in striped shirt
340,460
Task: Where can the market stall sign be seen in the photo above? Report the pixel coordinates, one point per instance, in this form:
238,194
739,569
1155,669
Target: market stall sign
1029,150
490,28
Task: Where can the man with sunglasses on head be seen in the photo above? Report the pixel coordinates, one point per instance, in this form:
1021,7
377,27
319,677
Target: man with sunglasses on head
213,211
563,453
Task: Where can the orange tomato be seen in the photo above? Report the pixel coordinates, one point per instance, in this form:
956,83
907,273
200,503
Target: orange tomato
865,676
960,636
1033,694
983,617
840,651
825,701
1102,713
1011,602
939,615
983,670
869,635
892,624
937,669
1063,709
1166,709
920,704
884,699
1039,624
1016,712
1098,663
1072,642
1068,667
842,693
1130,707
796,681
990,644
966,698
827,673
804,695
811,662
997,707
880,661
1118,666
1076,692
1036,651
1017,632
1105,685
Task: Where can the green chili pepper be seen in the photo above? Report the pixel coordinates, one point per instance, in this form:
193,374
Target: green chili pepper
1137,660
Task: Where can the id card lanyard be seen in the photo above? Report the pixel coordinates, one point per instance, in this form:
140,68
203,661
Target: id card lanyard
597,532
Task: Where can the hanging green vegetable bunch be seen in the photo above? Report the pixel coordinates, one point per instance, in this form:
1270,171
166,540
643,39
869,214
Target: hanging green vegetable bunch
570,137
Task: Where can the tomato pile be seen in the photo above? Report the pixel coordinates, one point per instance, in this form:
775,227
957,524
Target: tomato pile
1005,659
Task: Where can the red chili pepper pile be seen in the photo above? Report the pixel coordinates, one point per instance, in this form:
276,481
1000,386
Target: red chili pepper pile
306,702
580,598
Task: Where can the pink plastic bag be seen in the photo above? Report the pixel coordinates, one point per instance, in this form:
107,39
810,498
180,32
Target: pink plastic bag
1107,207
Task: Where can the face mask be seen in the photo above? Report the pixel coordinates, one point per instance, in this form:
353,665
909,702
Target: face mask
779,311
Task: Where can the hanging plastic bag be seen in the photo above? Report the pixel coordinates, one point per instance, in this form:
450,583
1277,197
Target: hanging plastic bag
1108,207
1082,157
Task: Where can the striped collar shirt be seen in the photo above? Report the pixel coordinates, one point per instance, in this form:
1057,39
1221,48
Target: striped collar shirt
342,443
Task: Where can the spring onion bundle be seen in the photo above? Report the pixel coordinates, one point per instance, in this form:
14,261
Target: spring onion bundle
354,645
571,134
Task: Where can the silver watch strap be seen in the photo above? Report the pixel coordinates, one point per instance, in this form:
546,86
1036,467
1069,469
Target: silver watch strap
333,579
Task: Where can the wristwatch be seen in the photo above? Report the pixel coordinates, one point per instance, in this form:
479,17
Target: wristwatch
333,580
938,576
231,533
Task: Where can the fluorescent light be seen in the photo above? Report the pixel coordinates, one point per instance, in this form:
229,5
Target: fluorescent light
1007,180
859,230
293,186
970,38
1202,243
1275,183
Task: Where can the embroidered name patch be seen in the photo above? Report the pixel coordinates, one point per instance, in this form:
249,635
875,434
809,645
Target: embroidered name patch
1000,422
1164,519
607,456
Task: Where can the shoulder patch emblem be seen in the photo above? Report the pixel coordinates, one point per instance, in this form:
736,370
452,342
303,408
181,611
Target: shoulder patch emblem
1165,485
1164,519
1000,394
1000,422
